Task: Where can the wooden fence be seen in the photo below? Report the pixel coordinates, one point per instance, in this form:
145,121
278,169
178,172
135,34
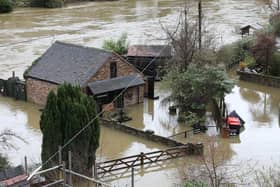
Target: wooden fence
186,133
141,159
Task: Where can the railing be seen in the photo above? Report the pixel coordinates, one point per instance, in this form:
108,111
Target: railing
187,133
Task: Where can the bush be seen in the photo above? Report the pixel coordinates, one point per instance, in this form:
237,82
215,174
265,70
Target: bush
274,69
274,21
249,61
4,163
54,3
235,52
6,6
47,3
119,46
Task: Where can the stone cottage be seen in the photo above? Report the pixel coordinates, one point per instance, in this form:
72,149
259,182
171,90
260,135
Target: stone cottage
98,72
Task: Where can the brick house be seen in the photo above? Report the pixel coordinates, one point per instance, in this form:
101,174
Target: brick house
98,72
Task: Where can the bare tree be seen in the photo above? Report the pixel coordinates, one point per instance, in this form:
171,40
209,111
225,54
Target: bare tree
212,168
185,39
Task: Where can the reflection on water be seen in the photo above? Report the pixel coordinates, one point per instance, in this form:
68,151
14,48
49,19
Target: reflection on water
23,119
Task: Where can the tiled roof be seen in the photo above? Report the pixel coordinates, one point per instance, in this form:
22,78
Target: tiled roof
68,63
118,83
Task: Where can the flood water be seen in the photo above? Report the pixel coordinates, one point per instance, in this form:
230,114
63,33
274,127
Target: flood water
89,24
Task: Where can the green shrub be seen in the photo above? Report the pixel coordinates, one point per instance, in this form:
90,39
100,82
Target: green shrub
275,23
274,69
235,52
249,60
47,3
119,46
54,3
6,6
4,163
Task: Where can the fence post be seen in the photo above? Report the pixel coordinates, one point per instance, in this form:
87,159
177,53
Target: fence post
132,177
64,174
25,165
142,158
70,168
185,134
60,160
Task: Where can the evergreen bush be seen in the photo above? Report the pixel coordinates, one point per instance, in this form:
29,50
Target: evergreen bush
275,65
119,46
54,3
6,6
275,23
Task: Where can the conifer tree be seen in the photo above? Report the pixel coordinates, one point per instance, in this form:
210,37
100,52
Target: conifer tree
65,115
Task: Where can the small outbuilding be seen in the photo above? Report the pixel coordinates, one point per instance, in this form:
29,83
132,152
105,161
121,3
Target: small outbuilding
98,72
153,56
151,60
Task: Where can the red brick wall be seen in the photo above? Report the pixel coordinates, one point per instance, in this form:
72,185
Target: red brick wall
123,69
37,91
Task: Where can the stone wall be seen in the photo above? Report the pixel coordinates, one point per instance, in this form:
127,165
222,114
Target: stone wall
140,133
265,80
37,91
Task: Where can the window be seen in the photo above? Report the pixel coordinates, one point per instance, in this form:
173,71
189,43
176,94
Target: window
113,70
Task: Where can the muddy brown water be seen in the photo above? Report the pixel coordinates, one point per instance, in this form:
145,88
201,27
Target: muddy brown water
89,24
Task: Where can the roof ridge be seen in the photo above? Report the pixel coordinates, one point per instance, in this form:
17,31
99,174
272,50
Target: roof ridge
82,46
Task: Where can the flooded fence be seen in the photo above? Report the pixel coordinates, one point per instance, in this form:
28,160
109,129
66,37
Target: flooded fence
13,87
141,159
148,135
187,133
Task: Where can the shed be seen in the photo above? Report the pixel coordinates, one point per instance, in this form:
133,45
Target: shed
153,56
151,60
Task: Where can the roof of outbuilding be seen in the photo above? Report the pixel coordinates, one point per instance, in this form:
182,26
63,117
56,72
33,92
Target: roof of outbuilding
11,172
69,63
149,51
104,86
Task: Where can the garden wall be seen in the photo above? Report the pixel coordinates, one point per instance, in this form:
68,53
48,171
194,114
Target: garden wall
265,80
148,135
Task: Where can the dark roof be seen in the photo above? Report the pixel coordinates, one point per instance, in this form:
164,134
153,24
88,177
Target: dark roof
118,83
11,172
69,63
149,51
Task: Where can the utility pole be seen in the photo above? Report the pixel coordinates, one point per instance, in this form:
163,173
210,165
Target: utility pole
199,24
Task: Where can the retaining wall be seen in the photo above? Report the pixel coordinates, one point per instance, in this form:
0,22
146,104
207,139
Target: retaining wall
265,80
